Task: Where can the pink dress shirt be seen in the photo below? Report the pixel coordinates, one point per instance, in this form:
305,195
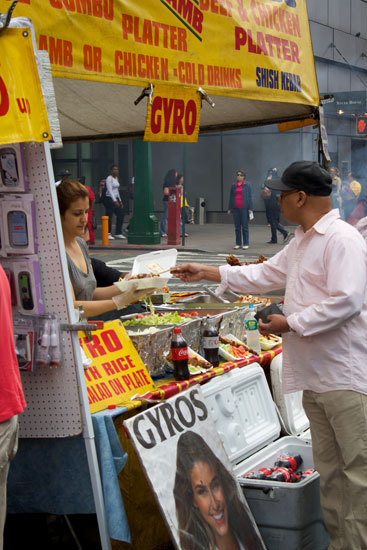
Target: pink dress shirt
324,272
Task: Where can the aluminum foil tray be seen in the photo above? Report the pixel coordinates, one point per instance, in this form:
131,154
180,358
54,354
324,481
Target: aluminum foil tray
152,348
233,322
201,308
148,347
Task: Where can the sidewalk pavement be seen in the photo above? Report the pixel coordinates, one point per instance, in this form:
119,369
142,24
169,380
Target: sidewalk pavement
211,237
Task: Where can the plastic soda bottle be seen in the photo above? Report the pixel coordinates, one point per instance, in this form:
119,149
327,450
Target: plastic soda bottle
180,355
252,331
287,461
210,342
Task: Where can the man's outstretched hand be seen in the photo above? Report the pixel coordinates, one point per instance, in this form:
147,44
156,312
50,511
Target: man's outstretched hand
188,272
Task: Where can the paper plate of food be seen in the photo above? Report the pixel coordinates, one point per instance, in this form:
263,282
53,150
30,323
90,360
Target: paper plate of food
232,349
197,363
142,281
269,341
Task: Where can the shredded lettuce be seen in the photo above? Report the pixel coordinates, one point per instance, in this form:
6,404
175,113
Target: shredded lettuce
155,319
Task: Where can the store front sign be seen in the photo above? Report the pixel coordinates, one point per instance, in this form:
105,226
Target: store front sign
116,373
23,115
173,115
347,102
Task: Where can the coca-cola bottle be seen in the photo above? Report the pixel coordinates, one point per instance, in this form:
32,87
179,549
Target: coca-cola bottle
286,461
262,473
180,355
210,342
307,473
282,474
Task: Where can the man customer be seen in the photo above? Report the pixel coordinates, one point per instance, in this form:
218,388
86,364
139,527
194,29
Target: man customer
273,209
323,270
170,180
12,400
240,205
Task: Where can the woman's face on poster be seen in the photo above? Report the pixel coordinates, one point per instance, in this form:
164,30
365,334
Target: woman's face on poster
209,497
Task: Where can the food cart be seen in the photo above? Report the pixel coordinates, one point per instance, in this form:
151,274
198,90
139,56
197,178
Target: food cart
113,50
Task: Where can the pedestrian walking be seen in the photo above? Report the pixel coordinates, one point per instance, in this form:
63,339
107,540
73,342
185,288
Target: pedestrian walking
323,270
360,210
89,228
63,175
184,214
336,201
350,191
273,209
170,180
240,205
113,203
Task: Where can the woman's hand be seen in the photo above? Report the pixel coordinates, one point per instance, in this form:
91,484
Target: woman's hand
131,296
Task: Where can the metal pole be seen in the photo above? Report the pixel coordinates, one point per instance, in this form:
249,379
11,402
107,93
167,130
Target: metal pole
104,230
183,194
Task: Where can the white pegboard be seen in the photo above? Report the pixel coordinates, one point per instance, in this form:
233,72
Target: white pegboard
52,394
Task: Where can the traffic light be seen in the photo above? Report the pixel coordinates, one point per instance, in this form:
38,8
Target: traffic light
361,129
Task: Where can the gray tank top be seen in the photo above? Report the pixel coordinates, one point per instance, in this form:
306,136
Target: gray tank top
84,284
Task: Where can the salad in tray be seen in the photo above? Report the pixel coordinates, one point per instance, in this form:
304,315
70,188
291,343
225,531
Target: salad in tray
168,318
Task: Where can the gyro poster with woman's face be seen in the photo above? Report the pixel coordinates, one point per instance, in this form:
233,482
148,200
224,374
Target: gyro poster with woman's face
191,476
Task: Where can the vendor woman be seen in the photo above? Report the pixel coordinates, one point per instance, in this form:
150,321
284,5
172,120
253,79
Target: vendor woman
74,204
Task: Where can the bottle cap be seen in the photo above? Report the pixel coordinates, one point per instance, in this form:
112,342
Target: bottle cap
177,330
251,306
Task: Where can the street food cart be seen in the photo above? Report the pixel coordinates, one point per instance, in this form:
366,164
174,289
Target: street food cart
252,60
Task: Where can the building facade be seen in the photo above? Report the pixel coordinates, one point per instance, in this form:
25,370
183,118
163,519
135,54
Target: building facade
339,38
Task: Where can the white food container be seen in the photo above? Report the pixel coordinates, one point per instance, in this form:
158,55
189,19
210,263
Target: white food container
289,404
288,515
228,355
145,263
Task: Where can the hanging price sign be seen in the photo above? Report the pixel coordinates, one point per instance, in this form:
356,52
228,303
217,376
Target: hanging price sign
23,115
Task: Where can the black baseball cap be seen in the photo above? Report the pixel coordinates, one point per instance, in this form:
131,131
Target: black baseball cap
64,173
304,175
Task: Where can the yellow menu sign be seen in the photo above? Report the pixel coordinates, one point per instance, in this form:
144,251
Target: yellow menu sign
174,115
116,373
23,115
253,49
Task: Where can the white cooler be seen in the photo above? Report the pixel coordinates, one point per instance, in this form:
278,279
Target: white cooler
288,515
290,404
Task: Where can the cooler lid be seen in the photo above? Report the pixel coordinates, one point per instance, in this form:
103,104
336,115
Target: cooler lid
290,404
146,263
242,408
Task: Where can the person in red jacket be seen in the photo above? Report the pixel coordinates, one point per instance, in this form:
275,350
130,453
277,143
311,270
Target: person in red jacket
12,400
